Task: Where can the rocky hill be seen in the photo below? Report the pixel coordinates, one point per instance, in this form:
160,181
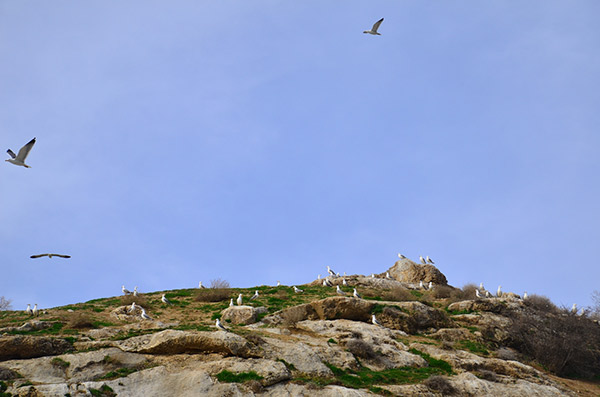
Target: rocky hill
429,342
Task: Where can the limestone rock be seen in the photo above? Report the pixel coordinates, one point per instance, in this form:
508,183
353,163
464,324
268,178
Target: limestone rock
408,271
22,346
412,316
242,314
271,371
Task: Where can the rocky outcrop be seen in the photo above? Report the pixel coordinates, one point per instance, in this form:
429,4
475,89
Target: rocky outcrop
408,271
21,346
242,314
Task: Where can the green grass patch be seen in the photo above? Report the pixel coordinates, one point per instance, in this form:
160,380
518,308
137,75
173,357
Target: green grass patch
457,312
472,329
473,347
289,366
331,340
54,329
70,339
240,377
102,324
417,294
59,362
181,292
104,391
377,309
442,365
118,373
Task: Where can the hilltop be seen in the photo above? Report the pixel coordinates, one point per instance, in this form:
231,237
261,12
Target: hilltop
431,342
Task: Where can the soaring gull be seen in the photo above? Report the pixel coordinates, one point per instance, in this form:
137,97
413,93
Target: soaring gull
50,256
219,325
165,300
19,159
373,30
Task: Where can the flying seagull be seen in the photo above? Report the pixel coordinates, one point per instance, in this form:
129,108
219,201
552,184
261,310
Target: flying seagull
373,30
50,256
296,289
254,296
374,321
19,159
356,295
144,315
165,300
239,300
428,259
125,290
339,290
219,325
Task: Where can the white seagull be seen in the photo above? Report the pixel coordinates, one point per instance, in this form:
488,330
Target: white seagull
219,325
356,295
373,30
278,283
296,289
421,285
339,290
28,310
499,291
401,256
387,275
331,272
135,291
19,159
422,260
50,256
231,302
428,260
144,315
525,295
488,294
481,286
239,300
573,309
374,320
165,300
131,308
344,282
372,275
430,285
35,310
254,296
200,285
326,283
478,294
125,290
319,277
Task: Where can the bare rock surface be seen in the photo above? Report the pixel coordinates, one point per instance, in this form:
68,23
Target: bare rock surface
25,346
408,271
242,314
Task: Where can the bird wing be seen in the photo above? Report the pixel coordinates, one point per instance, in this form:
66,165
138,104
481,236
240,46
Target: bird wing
62,256
12,154
24,151
376,25
38,256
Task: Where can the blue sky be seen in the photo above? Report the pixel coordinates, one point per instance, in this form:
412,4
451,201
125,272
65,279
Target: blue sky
260,141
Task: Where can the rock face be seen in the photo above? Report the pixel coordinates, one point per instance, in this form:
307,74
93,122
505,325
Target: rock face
20,346
242,314
408,271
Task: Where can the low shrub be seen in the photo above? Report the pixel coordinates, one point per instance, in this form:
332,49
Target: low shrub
219,284
361,349
440,384
541,303
398,294
213,295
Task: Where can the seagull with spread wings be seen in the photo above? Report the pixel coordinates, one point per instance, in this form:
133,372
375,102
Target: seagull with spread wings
373,30
19,159
50,256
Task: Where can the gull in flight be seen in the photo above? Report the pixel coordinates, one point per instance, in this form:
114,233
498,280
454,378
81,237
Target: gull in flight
296,289
374,320
401,256
231,302
165,300
131,308
219,325
144,315
428,260
339,290
19,159
125,290
35,310
255,295
356,295
50,256
28,310
373,30
422,260
239,300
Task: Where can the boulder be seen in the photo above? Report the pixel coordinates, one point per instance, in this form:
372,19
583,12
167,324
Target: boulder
407,271
413,316
242,314
24,346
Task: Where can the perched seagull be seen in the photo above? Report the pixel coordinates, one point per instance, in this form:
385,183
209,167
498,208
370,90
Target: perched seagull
231,302
165,300
327,283
344,274
278,283
401,256
356,295
319,277
144,315
135,291
430,285
372,275
125,290
525,295
19,159
573,309
331,272
200,285
131,308
478,294
296,290
488,294
374,320
421,285
35,311
344,282
499,291
387,275
422,260
255,295
428,260
481,286
50,256
219,325
582,312
373,30
239,300
339,290
28,310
